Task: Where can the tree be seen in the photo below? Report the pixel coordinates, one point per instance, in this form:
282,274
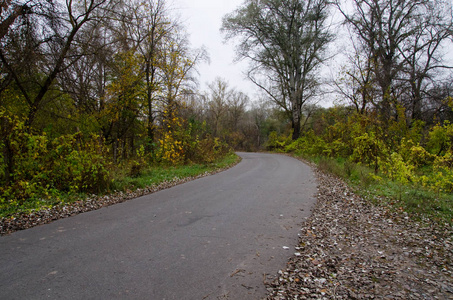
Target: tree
149,28
285,41
218,103
381,26
356,82
399,43
236,108
422,55
10,12
50,43
33,54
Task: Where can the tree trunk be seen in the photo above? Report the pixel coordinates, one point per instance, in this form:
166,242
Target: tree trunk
296,127
18,10
296,102
150,77
115,150
8,162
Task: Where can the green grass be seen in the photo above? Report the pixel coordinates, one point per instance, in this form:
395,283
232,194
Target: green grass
417,201
121,181
157,174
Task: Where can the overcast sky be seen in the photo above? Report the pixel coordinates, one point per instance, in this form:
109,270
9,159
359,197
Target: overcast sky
203,19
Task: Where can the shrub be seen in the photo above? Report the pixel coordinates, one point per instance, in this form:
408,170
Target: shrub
396,169
440,139
42,166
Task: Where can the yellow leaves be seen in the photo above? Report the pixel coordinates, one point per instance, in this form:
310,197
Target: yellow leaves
397,169
174,140
449,101
419,156
171,150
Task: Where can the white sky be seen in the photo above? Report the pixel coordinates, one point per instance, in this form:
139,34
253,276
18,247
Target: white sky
203,19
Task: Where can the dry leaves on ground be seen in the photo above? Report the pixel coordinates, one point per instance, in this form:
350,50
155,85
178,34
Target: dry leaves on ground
350,249
27,220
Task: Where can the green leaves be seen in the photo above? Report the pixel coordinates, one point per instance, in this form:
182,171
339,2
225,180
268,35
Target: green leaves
404,155
40,165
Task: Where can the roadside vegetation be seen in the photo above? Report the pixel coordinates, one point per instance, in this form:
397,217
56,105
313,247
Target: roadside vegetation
405,168
98,97
120,180
103,96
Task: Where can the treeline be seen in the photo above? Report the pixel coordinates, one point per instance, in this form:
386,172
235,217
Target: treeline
394,90
88,88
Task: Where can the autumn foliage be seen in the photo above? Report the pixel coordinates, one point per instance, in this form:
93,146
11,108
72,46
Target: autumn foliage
416,154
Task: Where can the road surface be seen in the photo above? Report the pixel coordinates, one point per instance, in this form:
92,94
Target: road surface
213,238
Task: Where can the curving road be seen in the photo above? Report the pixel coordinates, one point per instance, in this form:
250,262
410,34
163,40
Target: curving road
212,238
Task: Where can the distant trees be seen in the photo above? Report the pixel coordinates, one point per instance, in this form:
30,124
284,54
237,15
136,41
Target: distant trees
223,110
229,115
398,52
285,42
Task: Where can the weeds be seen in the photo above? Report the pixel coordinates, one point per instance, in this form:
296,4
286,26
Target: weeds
128,177
410,197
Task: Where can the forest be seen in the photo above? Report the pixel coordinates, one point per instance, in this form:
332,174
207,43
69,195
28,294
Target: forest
91,89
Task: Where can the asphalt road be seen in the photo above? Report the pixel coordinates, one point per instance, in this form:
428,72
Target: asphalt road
212,238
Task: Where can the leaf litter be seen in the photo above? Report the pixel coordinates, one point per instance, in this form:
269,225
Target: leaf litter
351,249
29,219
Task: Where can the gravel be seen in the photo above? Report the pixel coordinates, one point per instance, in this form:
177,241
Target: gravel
351,249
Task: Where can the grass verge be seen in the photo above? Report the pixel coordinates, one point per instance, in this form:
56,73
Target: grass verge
417,201
157,174
122,181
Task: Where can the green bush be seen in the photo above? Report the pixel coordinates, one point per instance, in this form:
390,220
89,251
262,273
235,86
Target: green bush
42,166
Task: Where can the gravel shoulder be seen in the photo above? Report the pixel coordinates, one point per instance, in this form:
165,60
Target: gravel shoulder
351,249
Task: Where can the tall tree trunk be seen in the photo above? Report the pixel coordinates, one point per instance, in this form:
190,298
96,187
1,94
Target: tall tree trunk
7,151
8,156
115,150
296,123
150,73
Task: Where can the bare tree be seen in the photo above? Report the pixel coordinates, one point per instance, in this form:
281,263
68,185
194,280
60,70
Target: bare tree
422,55
51,40
398,43
218,103
285,41
356,82
236,108
10,11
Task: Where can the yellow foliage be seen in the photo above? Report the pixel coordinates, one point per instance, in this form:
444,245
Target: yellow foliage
395,167
171,150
